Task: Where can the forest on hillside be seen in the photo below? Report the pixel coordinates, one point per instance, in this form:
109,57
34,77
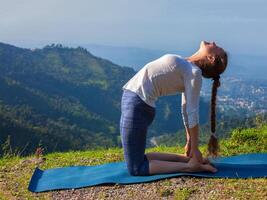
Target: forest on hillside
65,98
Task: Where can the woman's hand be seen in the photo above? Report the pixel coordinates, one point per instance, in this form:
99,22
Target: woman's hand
195,153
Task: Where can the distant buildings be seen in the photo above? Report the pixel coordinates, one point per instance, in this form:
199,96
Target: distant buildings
237,96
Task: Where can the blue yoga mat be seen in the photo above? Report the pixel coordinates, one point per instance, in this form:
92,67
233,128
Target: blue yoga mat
241,166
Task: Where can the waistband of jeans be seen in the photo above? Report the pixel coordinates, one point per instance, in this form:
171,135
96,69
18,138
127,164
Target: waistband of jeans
129,93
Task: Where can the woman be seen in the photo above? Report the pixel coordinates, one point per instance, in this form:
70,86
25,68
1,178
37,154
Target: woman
168,75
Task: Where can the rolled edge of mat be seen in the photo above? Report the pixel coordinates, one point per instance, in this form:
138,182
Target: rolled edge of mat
37,174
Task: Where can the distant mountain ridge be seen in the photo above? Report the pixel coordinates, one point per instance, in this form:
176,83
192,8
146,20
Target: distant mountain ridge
240,66
66,98
125,56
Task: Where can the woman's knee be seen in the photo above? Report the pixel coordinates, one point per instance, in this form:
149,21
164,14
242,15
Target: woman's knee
134,172
139,170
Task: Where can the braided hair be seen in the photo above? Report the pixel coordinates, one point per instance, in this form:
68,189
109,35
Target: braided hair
213,145
213,70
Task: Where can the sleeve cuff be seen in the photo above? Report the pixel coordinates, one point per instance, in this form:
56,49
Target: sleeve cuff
193,119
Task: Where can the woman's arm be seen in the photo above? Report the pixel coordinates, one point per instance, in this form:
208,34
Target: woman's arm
185,121
193,132
194,150
191,147
192,82
187,147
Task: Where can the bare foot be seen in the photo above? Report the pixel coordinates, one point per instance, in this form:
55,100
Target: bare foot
208,167
195,166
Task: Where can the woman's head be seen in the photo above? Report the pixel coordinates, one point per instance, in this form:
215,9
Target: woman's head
212,60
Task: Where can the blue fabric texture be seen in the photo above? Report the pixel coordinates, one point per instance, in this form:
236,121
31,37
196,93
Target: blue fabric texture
240,166
136,116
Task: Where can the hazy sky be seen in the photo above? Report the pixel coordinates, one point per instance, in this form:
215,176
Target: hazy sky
240,26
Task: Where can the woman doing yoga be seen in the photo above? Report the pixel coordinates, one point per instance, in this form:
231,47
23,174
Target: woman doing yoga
168,75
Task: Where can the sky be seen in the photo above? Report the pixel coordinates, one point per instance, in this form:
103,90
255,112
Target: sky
239,26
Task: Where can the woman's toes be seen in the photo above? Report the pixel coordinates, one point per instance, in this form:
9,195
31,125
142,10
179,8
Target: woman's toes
195,166
208,167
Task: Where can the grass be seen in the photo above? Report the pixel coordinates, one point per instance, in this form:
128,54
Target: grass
15,172
183,193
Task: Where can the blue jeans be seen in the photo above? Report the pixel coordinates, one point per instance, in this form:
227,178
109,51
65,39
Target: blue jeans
136,116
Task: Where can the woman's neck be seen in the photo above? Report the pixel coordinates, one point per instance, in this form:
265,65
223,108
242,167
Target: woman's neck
195,58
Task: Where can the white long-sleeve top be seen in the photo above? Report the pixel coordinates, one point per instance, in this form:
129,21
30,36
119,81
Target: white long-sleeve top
169,75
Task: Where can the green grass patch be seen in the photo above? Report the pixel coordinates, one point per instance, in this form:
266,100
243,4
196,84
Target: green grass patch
183,193
15,172
253,140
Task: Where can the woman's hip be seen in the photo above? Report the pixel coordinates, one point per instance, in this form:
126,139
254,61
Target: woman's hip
135,112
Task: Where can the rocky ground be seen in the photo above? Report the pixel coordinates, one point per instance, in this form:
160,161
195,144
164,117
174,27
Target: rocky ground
174,188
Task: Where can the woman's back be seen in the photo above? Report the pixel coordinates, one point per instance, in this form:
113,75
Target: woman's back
163,76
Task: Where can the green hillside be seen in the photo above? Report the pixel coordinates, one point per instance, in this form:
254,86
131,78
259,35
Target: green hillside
64,98
15,173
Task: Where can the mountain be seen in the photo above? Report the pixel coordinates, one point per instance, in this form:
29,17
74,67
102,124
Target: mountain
65,98
125,56
245,66
133,57
243,85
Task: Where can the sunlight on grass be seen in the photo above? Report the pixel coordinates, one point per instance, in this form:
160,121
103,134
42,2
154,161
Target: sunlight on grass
15,172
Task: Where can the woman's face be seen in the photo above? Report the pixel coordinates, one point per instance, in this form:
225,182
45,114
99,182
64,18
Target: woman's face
210,48
215,56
